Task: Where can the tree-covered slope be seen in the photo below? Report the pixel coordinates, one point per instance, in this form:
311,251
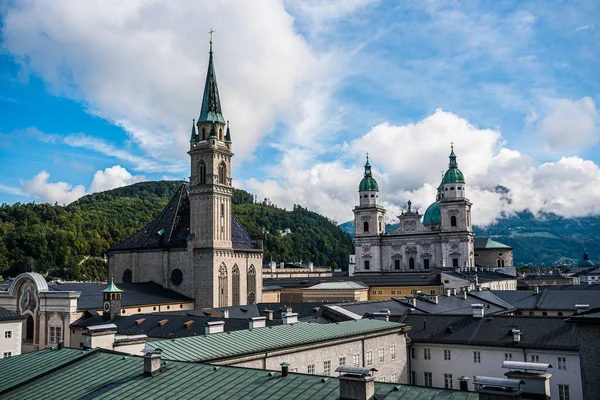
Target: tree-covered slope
545,239
54,239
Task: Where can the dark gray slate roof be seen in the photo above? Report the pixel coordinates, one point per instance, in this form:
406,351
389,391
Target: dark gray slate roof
134,294
6,315
536,332
172,227
550,298
482,276
385,279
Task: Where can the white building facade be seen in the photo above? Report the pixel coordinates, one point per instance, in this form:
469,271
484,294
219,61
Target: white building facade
11,328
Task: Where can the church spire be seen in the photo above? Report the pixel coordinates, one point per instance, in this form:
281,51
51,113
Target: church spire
194,135
211,105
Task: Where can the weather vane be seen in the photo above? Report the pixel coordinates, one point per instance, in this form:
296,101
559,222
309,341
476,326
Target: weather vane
367,155
452,144
211,35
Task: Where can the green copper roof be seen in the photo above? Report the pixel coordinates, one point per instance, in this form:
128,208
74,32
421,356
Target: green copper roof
228,134
586,262
194,135
211,105
433,214
441,186
112,288
368,183
453,175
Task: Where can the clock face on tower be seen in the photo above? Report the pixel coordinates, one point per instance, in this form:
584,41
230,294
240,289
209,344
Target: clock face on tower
106,306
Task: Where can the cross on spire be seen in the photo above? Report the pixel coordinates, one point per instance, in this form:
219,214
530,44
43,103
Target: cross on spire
451,143
367,155
211,35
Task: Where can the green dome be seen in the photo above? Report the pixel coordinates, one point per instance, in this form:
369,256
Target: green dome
586,262
368,183
433,214
453,175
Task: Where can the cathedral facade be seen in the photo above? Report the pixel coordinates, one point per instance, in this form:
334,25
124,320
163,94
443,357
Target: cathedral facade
440,238
195,246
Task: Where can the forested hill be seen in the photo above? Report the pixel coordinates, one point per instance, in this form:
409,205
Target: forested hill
542,240
54,239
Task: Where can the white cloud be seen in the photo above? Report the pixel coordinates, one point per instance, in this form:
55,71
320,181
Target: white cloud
59,192
407,162
113,177
570,126
141,65
10,190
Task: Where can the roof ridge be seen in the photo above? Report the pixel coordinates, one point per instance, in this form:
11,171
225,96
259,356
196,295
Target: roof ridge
541,298
182,187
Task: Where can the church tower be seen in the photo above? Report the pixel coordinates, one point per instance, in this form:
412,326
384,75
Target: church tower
210,180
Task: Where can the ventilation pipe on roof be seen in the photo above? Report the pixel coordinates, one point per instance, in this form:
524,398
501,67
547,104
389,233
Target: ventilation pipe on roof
151,361
257,322
225,313
477,310
356,383
285,369
516,335
289,318
212,327
61,344
536,290
465,292
268,314
453,291
447,292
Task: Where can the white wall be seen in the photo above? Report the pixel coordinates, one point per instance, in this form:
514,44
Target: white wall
13,343
462,363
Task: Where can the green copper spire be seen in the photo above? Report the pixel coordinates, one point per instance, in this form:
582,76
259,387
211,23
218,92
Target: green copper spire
228,134
194,135
368,183
211,105
453,175
112,288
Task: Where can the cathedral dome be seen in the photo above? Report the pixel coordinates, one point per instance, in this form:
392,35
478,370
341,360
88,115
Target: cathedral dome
586,262
433,214
368,183
453,175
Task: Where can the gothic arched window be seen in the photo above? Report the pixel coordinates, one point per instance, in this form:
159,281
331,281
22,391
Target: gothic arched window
223,286
411,263
453,220
221,134
203,133
366,226
201,172
251,285
235,286
222,173
127,276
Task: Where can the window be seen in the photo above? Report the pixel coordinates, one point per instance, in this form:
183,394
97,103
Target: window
393,292
453,220
201,172
562,363
477,357
342,361
426,263
393,378
427,354
412,352
222,173
447,355
380,292
382,379
7,354
55,334
251,285
448,381
428,379
381,355
7,334
369,358
235,286
563,392
327,367
499,264
411,263
223,290
432,291
455,262
367,266
393,352
535,358
396,264
507,356
374,291
366,226
311,369
356,360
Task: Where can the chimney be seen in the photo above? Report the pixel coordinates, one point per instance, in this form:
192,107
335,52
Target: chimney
465,294
225,313
257,322
463,382
479,288
516,335
61,344
447,291
211,327
310,266
477,310
285,369
580,308
273,266
282,265
536,290
151,361
268,314
356,383
435,299
453,291
289,318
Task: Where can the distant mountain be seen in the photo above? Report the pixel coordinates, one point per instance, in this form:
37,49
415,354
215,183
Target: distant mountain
546,239
69,241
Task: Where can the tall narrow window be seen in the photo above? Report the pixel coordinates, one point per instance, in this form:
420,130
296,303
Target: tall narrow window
563,392
251,285
367,265
222,210
223,286
426,263
221,134
499,264
203,133
453,220
396,264
201,172
222,173
29,329
366,226
411,263
235,286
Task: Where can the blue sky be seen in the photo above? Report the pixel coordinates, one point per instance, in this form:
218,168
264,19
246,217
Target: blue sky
96,95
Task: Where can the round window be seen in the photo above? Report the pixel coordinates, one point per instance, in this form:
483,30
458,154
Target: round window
176,277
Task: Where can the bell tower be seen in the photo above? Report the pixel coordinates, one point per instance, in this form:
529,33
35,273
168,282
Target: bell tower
111,306
210,180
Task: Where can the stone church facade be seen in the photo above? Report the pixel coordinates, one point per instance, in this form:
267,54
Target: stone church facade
195,246
440,238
